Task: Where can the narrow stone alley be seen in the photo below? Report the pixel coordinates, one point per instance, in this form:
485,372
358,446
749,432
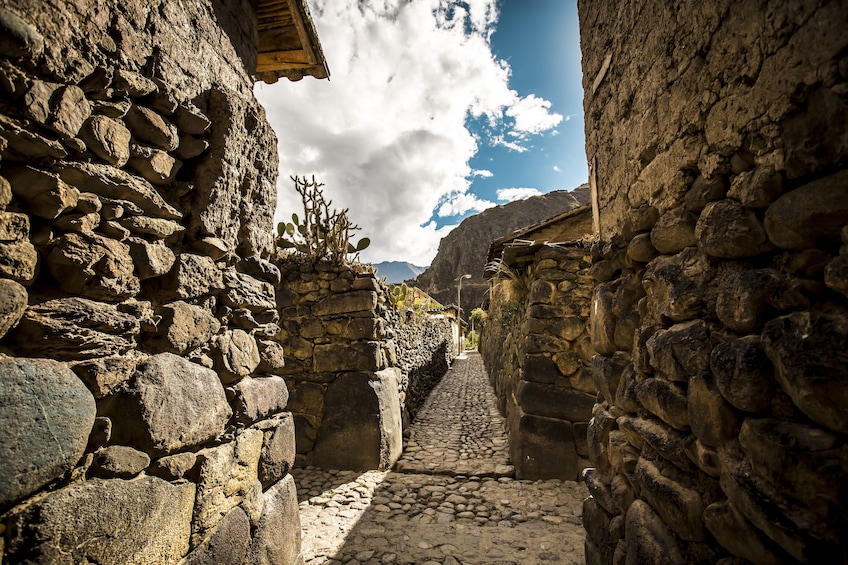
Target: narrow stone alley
452,498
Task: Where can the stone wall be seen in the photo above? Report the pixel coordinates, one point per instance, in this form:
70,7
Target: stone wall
143,412
356,368
717,138
536,348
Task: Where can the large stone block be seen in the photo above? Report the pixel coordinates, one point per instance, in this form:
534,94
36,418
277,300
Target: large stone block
18,261
712,419
192,276
107,138
361,425
277,537
676,285
671,444
170,404
244,291
93,266
542,448
183,327
75,329
46,415
743,373
226,545
602,320
226,474
349,302
257,399
680,507
235,354
335,358
13,304
666,400
809,351
681,351
553,401
110,522
737,535
278,448
648,538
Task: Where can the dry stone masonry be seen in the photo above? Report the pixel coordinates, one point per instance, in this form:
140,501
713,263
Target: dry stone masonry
143,408
357,368
717,145
538,354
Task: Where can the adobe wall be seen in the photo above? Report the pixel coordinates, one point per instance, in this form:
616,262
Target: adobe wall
357,368
144,416
536,348
716,136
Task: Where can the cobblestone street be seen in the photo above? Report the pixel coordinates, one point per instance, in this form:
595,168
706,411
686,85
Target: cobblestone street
451,499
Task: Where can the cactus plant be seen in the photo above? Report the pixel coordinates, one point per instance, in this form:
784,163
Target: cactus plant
323,233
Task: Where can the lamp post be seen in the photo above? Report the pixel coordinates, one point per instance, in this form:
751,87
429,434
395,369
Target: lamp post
459,294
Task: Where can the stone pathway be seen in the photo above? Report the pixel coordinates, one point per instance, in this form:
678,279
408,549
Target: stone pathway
451,500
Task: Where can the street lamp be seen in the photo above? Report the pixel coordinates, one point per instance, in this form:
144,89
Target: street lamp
459,294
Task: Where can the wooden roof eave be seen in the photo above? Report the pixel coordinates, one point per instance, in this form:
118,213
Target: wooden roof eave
288,42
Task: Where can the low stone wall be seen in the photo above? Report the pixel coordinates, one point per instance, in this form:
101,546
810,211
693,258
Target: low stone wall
143,419
718,134
353,364
536,348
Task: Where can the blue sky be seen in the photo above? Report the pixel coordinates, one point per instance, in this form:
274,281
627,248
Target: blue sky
436,109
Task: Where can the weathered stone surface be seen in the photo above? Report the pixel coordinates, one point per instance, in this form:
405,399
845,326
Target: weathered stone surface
23,143
808,136
799,459
146,125
45,194
810,216
648,538
93,266
227,545
258,399
69,109
102,374
135,84
743,301
278,448
261,269
666,400
13,226
119,461
357,301
192,276
13,303
277,538
244,291
602,320
555,401
361,426
667,441
156,228
743,373
539,369
272,356
114,183
154,164
757,188
235,354
836,274
191,146
227,473
150,259
712,419
676,285
75,328
18,261
46,414
606,372
174,467
361,356
169,405
681,351
19,37
77,223
674,231
107,138
679,506
809,351
736,534
184,327
544,448
641,248
111,108
108,522
599,489
729,230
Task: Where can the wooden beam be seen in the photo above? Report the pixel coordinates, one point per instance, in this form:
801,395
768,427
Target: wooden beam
267,59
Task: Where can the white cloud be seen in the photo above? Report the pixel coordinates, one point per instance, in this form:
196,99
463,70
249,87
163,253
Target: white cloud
532,115
557,169
460,203
486,174
511,194
387,134
511,145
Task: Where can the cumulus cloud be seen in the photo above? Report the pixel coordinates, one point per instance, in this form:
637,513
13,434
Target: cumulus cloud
557,169
484,173
387,133
511,194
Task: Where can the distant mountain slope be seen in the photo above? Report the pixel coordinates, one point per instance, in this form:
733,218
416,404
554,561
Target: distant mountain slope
397,271
464,250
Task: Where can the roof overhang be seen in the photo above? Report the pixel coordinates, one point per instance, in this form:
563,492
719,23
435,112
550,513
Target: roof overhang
288,42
